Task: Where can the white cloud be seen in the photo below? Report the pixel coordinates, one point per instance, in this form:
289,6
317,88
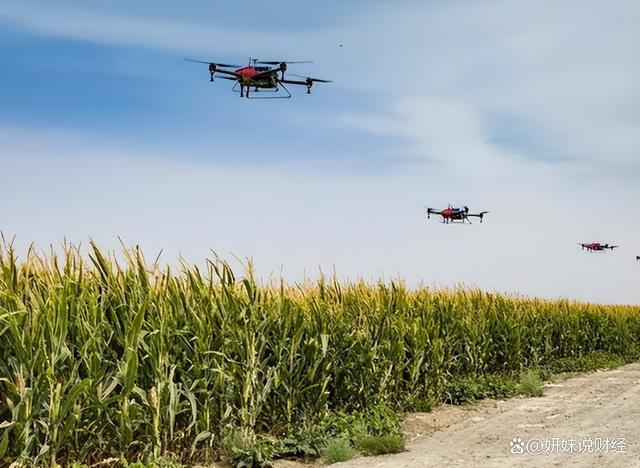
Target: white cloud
569,69
194,36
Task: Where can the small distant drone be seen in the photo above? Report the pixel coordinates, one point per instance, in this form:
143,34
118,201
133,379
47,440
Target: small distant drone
263,79
453,215
598,247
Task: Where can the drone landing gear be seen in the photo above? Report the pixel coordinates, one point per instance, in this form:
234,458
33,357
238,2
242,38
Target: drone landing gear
262,91
456,221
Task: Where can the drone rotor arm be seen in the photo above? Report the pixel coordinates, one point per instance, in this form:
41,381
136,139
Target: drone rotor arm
477,215
315,80
295,82
228,72
431,211
215,67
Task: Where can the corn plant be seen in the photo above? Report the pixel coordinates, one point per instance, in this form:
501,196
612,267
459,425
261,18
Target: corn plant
105,357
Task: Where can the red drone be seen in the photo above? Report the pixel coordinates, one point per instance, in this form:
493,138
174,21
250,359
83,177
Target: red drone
452,215
260,78
597,247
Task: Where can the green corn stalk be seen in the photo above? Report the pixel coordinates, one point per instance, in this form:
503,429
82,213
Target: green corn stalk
101,359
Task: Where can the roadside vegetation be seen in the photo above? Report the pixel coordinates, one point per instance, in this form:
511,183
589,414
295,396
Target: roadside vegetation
137,364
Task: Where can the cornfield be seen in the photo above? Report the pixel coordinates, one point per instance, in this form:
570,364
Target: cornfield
103,359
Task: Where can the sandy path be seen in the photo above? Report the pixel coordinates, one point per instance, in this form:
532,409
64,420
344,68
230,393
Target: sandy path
599,404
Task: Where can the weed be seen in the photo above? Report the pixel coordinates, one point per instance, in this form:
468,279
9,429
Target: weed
337,450
378,445
530,384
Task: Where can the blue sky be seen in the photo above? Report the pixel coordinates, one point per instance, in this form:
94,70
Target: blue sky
528,109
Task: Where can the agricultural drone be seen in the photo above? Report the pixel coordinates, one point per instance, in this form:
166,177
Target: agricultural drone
597,247
452,215
260,78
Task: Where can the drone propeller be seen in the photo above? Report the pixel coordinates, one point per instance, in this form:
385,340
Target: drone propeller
213,67
309,81
224,65
313,80
281,63
278,62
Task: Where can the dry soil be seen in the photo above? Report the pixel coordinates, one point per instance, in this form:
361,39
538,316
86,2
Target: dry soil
553,430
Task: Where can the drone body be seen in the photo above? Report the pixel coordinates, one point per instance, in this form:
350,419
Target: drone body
597,247
269,78
453,215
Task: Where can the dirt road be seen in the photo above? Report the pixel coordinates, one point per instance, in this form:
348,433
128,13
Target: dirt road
581,408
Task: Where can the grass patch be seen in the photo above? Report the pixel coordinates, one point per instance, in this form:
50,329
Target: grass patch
304,444
590,362
466,390
378,421
337,450
530,384
379,445
418,405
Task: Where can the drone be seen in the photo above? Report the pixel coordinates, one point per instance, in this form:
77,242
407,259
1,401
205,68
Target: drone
261,76
452,215
637,257
597,247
